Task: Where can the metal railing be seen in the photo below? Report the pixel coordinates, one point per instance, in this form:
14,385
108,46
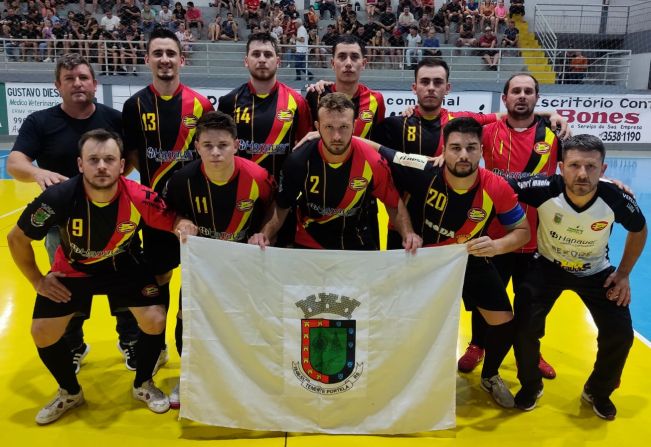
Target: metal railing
546,36
597,18
224,60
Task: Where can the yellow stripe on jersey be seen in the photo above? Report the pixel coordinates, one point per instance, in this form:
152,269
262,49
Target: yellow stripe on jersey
487,206
133,217
373,106
253,196
293,106
544,158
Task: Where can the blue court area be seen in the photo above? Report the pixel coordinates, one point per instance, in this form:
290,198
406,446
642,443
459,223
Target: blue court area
632,169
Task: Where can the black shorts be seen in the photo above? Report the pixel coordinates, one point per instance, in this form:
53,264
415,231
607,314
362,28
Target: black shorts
161,249
483,287
131,286
513,266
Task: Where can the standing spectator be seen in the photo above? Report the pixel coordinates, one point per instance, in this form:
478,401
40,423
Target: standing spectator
193,18
413,52
300,57
487,42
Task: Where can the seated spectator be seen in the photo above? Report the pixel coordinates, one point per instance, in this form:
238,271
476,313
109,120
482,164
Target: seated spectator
148,19
214,29
219,4
511,37
377,54
109,22
276,12
416,8
229,29
424,24
251,13
454,12
487,14
186,38
166,18
292,11
397,49
431,44
317,51
330,37
311,19
578,67
387,20
193,18
486,42
277,29
328,5
467,33
351,23
440,22
178,15
129,12
413,53
405,20
472,9
370,8
500,15
516,8
129,53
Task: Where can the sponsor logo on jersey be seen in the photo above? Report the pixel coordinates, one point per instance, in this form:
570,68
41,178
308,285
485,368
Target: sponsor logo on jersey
125,227
244,205
598,226
285,115
150,291
476,214
366,115
190,121
358,183
542,148
558,218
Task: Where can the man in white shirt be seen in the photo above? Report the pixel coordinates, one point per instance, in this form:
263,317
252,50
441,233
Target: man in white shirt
413,53
165,17
300,57
109,21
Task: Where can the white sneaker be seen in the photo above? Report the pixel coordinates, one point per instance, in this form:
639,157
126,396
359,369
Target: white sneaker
163,358
500,392
155,399
175,399
58,406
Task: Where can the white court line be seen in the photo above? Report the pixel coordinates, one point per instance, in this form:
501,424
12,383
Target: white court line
12,212
642,338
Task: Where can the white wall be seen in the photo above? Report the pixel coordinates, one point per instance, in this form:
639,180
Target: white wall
639,77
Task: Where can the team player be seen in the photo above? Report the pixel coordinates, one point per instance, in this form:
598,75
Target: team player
576,214
159,126
98,214
220,196
455,204
332,178
50,137
270,116
521,144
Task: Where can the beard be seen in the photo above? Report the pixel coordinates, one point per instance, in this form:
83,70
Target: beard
520,114
264,75
336,150
462,172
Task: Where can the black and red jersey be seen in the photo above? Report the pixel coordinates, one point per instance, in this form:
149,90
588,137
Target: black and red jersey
332,197
369,108
268,126
231,211
94,235
513,153
162,130
442,215
419,135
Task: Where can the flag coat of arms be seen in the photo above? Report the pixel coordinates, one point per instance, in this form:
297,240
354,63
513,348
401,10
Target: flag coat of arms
320,341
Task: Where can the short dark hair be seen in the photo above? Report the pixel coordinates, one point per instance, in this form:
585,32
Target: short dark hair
349,39
101,136
508,82
163,33
216,121
69,61
584,143
264,37
462,125
338,102
433,62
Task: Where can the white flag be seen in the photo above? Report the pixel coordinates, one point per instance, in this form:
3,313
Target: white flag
320,341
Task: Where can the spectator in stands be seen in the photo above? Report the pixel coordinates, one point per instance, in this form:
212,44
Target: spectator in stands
317,51
487,14
440,22
397,43
45,45
387,20
47,5
377,54
424,23
431,44
166,18
276,12
516,8
219,4
346,8
148,19
340,25
109,22
371,8
292,11
214,29
413,52
30,36
578,67
486,42
467,33
311,19
405,20
11,46
472,9
251,13
454,12
178,15
300,56
186,38
277,29
328,5
229,29
193,18
129,53
78,35
500,15
351,23
94,35
330,36
129,13
511,37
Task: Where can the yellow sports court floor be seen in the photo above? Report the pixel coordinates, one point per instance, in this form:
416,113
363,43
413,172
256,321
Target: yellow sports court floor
112,417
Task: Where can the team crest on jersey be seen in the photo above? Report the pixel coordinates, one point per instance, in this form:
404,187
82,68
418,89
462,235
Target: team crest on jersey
542,148
125,227
366,115
190,121
358,183
244,205
476,214
43,213
285,115
558,218
598,226
327,365
150,291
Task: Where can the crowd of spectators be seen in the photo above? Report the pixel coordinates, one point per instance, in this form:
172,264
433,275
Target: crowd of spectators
110,32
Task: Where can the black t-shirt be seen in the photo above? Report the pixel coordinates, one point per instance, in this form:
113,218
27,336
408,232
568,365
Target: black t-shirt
51,136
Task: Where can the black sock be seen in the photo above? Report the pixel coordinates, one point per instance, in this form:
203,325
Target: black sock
479,329
499,340
178,335
58,359
147,350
